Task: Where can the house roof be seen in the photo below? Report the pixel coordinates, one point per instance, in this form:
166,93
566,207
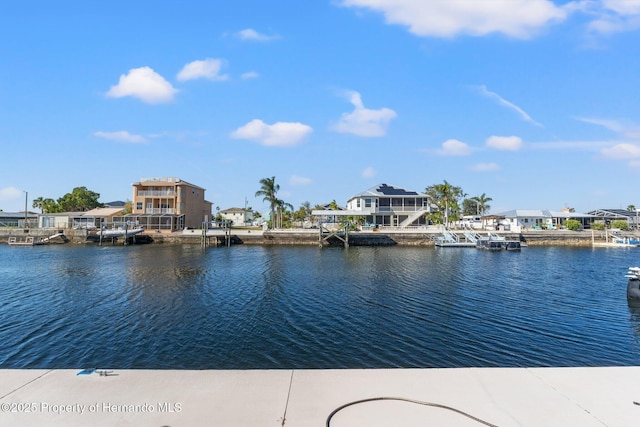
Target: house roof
114,204
235,210
18,215
382,190
168,180
542,213
613,213
105,212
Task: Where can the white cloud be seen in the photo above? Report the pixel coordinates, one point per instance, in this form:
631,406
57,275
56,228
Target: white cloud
453,147
121,136
486,167
613,16
369,172
252,35
485,92
622,151
203,69
449,18
363,121
508,143
145,84
297,181
284,134
624,130
10,193
249,75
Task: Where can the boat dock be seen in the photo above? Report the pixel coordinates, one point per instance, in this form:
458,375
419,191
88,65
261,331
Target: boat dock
457,397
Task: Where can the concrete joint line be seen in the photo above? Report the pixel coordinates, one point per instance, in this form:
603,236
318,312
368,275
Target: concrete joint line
26,384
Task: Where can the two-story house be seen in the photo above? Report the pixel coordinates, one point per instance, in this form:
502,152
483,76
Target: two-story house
168,204
237,216
391,206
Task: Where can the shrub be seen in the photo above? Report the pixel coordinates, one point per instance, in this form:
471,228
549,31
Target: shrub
620,224
572,224
598,225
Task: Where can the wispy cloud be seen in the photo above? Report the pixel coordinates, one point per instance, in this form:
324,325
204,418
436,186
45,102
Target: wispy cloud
209,68
280,134
368,172
453,147
249,75
363,121
250,34
446,18
145,84
121,136
485,167
492,95
507,143
622,151
9,194
622,129
613,16
297,181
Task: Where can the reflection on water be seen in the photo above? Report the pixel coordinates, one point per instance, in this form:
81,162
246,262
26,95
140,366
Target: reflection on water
165,306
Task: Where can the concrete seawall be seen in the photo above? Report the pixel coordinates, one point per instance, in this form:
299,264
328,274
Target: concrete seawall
424,237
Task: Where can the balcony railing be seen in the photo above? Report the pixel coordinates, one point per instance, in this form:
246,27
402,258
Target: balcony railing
380,209
170,211
156,193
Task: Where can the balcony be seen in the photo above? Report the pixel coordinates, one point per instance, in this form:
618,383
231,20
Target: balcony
156,193
170,211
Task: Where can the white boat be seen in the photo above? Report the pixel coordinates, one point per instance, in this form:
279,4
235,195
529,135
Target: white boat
633,284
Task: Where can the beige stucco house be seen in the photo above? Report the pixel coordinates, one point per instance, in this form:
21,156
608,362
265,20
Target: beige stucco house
168,204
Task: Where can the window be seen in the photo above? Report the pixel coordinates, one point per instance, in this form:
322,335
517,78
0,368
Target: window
367,203
138,206
357,203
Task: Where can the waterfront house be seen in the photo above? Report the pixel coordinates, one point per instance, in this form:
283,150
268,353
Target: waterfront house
238,216
61,220
388,205
609,215
167,204
17,219
518,220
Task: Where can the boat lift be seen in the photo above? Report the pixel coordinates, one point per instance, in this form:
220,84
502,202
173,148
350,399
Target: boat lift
342,234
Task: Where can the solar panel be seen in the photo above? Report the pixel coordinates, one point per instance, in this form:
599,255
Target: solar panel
389,190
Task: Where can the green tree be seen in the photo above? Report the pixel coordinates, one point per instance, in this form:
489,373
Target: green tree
445,196
268,191
45,205
283,213
80,199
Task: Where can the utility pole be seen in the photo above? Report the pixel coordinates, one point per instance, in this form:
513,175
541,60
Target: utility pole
26,196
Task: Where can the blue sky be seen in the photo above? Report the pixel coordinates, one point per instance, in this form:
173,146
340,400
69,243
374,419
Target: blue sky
533,102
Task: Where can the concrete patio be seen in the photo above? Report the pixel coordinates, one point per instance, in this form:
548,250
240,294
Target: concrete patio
434,397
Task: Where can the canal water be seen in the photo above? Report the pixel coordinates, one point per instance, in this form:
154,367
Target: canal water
263,307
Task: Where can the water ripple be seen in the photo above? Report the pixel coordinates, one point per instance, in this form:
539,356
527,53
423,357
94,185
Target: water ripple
303,307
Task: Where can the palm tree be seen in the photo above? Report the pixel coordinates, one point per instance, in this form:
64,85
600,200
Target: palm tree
482,202
482,205
268,191
38,203
282,207
445,196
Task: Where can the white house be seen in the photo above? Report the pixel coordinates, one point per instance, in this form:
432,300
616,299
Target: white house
391,206
518,220
238,216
